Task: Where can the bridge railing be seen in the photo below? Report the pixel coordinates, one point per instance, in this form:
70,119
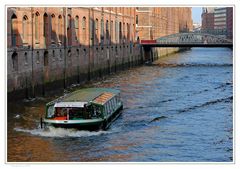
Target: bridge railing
192,38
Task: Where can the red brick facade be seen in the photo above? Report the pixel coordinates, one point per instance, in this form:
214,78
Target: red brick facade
153,23
68,22
62,46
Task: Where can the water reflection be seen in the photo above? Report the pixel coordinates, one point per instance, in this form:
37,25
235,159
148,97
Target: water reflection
178,109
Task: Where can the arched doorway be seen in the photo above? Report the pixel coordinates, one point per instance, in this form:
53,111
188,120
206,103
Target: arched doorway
15,61
46,59
69,30
45,66
45,74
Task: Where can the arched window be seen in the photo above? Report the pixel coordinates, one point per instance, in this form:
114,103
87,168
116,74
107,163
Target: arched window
96,31
14,30
120,32
69,30
111,30
69,23
15,61
37,27
124,32
25,29
102,30
84,22
91,31
116,31
76,25
128,32
60,28
84,28
133,32
45,28
96,24
107,30
53,30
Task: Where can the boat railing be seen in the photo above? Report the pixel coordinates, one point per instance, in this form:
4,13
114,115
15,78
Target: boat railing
56,100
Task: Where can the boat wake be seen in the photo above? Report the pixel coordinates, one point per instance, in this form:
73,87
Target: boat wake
61,132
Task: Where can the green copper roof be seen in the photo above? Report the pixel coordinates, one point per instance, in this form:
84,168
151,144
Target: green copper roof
86,95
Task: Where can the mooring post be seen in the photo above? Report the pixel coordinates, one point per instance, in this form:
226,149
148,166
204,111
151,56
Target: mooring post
41,123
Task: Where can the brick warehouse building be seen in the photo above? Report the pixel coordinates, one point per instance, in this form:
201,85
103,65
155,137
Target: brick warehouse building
50,47
155,22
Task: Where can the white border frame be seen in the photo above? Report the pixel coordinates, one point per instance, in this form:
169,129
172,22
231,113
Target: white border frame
184,3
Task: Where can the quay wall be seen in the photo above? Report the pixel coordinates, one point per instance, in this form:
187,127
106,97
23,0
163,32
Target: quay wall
55,47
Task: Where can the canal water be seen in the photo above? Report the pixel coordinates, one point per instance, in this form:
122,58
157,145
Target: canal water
180,109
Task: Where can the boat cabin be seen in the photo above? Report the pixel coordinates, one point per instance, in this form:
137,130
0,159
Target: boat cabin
101,106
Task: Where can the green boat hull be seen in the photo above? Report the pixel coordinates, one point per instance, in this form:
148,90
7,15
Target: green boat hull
92,124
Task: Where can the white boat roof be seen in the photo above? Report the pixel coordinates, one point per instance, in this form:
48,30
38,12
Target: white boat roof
70,104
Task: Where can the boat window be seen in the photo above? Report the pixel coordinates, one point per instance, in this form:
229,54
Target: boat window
60,112
114,103
96,112
118,98
110,107
79,113
111,103
114,100
105,108
50,112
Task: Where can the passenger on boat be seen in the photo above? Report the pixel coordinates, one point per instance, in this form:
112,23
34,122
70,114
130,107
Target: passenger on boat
58,110
86,112
60,114
96,112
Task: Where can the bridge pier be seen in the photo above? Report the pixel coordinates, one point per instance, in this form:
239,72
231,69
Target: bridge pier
148,54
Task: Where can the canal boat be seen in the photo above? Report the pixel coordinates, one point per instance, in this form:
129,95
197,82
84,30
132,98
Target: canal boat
86,109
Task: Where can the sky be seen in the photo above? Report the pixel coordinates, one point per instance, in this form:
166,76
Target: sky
196,14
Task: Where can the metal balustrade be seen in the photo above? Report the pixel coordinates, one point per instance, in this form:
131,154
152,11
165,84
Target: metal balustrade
192,38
